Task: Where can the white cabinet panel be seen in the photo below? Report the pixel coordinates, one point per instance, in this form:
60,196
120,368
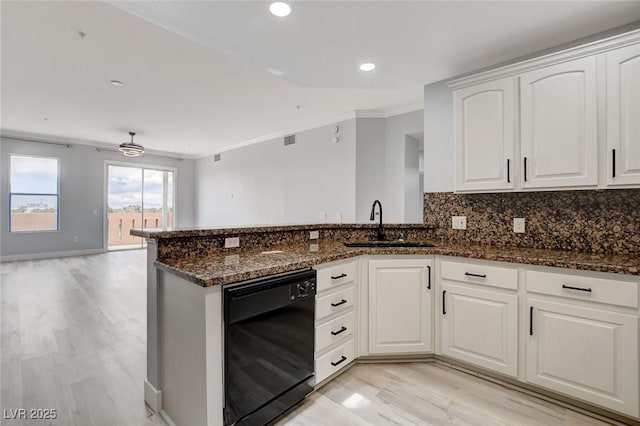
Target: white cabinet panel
622,292
485,135
334,274
589,354
335,330
335,302
399,306
559,139
623,116
335,360
480,327
485,273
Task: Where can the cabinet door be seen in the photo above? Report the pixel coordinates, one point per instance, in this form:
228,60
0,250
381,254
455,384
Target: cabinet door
623,116
559,137
480,327
484,115
586,353
399,306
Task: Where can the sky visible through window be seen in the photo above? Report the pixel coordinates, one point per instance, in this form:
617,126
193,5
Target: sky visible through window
125,187
33,175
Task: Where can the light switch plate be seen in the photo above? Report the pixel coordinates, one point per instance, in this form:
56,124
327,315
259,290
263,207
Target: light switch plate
232,242
518,225
459,222
314,235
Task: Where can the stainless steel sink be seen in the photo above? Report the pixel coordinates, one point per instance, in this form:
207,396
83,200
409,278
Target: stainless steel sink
389,243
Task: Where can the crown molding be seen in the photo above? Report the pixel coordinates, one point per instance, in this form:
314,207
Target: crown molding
321,123
545,60
61,140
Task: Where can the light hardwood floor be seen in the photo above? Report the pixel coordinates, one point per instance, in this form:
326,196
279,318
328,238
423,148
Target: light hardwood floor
73,338
424,394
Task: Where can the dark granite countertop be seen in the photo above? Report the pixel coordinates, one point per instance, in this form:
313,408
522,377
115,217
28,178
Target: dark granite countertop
204,232
230,266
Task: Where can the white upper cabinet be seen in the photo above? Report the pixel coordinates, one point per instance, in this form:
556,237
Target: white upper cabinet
567,120
559,128
484,135
623,116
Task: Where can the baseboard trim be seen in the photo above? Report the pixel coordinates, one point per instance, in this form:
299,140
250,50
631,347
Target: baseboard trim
153,397
49,255
166,418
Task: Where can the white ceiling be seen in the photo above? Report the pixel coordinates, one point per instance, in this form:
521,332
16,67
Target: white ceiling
195,73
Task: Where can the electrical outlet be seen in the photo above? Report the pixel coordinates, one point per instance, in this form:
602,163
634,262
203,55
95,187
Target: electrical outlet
339,217
459,222
232,242
314,235
518,225
95,212
323,216
75,238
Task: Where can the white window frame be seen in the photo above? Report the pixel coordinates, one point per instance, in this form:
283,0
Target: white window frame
57,195
105,200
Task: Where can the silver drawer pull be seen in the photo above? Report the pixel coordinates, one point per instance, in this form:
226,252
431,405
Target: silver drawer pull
342,330
568,287
469,274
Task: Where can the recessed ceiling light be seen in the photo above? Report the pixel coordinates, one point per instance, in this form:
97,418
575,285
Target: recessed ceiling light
276,72
280,9
367,66
116,83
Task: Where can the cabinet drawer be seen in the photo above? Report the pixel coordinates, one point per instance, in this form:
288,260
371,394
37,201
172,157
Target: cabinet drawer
332,303
334,360
603,290
334,274
334,331
473,273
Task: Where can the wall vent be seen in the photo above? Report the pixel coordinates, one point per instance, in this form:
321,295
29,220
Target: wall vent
289,140
216,157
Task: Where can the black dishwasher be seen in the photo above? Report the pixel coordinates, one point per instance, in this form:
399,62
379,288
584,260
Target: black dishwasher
268,346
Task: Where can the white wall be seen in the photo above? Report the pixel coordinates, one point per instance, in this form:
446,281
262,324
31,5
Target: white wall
438,138
396,128
370,167
269,183
81,191
412,188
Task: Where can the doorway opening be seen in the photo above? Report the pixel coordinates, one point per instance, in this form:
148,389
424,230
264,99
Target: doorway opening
414,178
137,198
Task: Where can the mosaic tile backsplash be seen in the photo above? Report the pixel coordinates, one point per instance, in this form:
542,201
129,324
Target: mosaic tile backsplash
605,221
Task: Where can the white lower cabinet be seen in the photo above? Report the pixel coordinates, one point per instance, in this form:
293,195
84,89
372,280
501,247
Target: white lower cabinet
336,314
579,330
400,317
334,360
590,354
480,326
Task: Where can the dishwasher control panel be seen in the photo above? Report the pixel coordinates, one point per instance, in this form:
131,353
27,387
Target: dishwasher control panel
302,289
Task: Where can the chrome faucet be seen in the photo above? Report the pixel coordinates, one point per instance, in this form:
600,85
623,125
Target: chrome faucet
373,217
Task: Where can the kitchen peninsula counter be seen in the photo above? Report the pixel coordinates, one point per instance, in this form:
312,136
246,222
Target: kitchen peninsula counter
186,271
208,267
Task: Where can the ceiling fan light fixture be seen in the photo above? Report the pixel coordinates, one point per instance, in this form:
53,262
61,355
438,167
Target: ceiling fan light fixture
131,149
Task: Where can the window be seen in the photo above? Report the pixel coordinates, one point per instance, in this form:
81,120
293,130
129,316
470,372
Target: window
33,194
